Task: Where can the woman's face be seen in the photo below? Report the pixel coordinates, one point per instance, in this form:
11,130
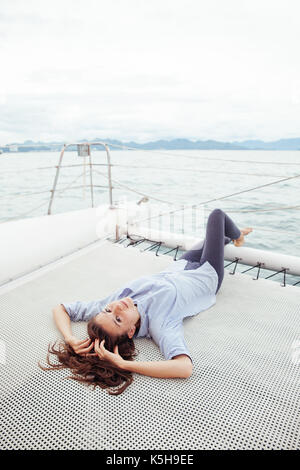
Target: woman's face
119,317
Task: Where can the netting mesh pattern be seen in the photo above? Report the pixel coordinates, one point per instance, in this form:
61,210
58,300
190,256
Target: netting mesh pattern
243,394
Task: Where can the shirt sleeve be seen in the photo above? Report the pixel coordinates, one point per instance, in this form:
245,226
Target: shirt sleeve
83,311
172,342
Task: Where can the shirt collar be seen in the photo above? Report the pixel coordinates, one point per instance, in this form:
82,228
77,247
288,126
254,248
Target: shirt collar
144,327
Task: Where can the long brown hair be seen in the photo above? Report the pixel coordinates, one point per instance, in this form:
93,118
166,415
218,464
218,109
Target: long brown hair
90,369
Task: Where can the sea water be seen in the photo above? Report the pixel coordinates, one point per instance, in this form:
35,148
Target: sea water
217,178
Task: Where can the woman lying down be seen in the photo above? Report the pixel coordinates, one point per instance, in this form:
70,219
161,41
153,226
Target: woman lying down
152,306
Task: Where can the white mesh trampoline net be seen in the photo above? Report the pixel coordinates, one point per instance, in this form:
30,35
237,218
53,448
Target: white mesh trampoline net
243,394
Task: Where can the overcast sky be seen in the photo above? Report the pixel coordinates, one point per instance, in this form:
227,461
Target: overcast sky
149,69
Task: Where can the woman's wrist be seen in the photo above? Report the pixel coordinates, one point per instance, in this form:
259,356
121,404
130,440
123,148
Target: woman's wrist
125,365
68,338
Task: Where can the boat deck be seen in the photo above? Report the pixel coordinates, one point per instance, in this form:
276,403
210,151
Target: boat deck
243,394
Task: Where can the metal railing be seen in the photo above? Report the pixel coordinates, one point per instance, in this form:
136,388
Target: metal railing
84,150
183,212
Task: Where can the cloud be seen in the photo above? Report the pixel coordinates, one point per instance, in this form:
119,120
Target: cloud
148,70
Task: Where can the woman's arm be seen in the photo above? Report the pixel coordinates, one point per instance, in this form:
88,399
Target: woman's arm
63,323
179,367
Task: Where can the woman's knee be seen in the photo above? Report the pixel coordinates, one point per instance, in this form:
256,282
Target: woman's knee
216,213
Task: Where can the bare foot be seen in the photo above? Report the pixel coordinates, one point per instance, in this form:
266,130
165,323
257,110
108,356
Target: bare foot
244,231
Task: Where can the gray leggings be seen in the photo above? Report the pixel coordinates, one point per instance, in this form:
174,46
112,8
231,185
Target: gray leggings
220,230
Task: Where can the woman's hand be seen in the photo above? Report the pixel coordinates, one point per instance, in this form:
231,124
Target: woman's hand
103,353
81,347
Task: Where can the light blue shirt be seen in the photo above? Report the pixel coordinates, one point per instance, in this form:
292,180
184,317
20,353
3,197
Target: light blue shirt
163,300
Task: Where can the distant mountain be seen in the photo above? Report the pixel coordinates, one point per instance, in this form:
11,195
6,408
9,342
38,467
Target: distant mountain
175,144
282,144
184,144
